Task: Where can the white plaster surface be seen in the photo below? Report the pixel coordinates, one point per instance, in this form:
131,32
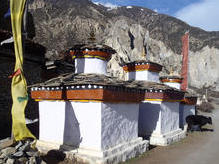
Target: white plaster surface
160,121
143,75
52,118
101,131
71,123
174,85
185,110
119,123
90,65
169,117
88,115
149,118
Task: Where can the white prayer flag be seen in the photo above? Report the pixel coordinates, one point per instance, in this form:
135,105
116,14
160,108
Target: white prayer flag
10,40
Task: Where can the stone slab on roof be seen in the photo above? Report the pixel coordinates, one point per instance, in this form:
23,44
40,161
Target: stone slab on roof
142,62
92,46
151,85
171,77
97,79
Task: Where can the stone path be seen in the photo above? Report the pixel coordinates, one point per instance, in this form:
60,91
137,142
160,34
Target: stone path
196,148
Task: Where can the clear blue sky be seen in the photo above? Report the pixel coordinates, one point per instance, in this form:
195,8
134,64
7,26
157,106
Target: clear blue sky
199,13
164,6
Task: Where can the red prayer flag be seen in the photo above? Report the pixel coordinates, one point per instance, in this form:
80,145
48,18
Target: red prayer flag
16,73
185,53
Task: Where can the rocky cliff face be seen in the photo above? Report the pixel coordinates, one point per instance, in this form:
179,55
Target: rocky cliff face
131,31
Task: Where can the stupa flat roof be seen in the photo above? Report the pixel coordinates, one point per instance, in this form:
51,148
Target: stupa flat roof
171,77
97,79
92,46
101,87
142,62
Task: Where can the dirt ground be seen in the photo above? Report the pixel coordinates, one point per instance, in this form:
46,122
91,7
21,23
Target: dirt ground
196,148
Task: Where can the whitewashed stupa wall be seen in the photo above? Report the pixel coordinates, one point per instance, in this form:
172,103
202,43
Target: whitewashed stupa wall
52,119
149,118
143,75
88,115
158,117
91,125
71,123
119,123
174,85
169,117
90,65
185,110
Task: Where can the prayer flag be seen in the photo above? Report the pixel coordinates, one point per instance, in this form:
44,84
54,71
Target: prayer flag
9,40
7,14
185,53
19,85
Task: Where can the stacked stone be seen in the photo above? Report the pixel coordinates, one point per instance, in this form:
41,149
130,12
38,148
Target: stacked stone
19,153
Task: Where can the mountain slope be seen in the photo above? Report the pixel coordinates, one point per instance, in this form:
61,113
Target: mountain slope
58,24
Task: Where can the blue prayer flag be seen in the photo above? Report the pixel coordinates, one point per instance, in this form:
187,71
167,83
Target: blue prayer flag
8,14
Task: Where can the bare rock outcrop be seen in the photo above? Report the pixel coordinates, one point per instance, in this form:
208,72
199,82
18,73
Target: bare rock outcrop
131,31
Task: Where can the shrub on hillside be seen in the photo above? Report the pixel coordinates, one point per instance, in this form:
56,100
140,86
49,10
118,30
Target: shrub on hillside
205,107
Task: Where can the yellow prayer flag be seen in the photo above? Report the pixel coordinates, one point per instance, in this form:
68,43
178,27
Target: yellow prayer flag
19,85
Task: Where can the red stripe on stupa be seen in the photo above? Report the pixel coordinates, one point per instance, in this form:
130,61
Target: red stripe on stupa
185,53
